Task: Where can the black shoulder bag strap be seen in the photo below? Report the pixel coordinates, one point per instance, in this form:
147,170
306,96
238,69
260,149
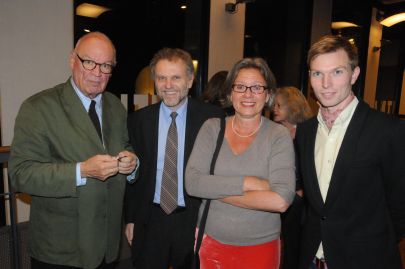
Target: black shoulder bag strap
203,220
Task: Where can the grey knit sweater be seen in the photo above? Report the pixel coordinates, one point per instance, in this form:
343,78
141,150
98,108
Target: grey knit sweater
270,156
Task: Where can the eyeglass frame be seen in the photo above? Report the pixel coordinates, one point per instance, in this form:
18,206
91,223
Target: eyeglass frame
95,64
263,88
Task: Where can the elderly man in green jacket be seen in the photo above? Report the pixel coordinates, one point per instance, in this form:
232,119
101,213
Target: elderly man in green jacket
70,152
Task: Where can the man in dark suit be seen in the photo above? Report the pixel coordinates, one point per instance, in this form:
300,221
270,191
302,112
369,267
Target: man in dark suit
70,152
161,238
352,165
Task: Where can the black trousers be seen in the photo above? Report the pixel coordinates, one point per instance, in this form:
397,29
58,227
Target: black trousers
169,241
35,264
318,264
291,225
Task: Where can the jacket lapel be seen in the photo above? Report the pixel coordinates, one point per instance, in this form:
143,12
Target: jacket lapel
78,114
154,121
108,118
346,153
191,123
312,179
152,132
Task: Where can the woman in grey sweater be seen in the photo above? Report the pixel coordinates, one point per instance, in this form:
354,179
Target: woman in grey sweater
254,177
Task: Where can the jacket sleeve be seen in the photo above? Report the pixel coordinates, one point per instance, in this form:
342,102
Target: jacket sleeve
132,198
394,173
33,168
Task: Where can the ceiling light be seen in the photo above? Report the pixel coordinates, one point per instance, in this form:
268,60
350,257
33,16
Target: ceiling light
195,64
183,7
342,24
90,10
394,19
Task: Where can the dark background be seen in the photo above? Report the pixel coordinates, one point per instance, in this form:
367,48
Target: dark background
278,31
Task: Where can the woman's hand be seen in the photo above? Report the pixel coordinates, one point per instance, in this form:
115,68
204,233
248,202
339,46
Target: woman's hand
251,183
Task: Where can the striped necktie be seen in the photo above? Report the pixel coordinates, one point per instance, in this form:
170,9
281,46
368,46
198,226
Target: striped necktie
168,194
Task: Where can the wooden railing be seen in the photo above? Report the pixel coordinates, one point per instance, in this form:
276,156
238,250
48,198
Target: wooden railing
10,197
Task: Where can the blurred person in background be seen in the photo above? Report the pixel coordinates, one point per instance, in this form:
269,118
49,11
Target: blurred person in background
290,107
215,93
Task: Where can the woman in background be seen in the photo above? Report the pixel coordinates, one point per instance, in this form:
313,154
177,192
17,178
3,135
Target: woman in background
290,108
215,93
253,180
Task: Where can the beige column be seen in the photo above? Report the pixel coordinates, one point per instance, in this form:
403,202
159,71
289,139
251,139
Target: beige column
373,59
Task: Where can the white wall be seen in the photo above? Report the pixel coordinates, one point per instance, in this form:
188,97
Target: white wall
36,37
226,37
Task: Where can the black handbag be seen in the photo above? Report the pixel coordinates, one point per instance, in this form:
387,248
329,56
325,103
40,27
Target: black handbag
203,221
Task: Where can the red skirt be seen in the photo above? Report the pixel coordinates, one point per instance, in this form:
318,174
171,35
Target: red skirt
215,255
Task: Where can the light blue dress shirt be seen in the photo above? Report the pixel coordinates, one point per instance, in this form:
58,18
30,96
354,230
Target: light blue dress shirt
81,181
164,123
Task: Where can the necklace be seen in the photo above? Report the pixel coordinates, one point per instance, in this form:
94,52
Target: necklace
248,135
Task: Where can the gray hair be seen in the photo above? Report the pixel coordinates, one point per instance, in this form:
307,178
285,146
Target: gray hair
252,63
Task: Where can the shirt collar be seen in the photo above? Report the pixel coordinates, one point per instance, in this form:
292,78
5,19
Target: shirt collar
84,99
344,117
181,110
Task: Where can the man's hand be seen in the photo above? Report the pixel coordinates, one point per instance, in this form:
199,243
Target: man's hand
126,162
99,166
129,233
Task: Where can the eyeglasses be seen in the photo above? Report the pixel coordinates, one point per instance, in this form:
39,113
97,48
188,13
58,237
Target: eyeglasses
90,65
256,89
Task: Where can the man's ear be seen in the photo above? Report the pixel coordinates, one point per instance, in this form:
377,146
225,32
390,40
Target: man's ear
72,60
190,81
355,75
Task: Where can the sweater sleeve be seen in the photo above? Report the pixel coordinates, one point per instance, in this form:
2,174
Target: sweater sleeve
198,180
281,164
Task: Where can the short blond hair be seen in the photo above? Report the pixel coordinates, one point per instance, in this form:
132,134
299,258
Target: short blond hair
298,109
332,43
